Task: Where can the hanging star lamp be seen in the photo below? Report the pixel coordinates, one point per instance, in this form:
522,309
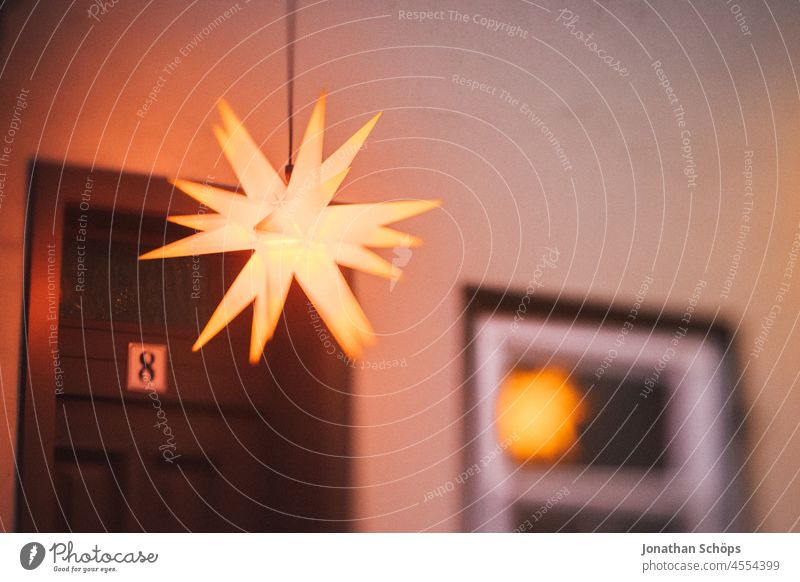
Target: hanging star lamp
293,233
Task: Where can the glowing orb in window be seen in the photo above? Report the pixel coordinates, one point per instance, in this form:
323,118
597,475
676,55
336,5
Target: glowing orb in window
539,413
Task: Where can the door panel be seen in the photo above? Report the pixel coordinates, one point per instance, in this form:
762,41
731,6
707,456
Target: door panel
228,446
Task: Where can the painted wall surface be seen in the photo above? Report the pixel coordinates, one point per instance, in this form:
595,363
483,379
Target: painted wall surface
621,134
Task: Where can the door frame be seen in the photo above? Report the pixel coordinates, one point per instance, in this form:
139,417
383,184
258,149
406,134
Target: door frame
53,187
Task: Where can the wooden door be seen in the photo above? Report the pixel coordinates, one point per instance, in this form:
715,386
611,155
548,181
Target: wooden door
228,446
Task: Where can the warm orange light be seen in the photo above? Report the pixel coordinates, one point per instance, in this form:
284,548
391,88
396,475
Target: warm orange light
538,414
293,233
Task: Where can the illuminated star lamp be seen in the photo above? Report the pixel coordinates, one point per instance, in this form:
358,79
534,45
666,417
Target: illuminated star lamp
293,233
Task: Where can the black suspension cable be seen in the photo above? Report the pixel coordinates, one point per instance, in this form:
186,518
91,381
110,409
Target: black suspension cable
290,38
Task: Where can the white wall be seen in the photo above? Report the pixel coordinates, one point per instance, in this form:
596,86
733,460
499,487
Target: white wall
621,212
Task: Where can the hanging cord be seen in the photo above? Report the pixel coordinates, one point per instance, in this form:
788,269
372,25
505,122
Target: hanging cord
290,38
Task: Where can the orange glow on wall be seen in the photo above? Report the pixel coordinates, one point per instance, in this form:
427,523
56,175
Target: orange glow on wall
538,414
293,233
